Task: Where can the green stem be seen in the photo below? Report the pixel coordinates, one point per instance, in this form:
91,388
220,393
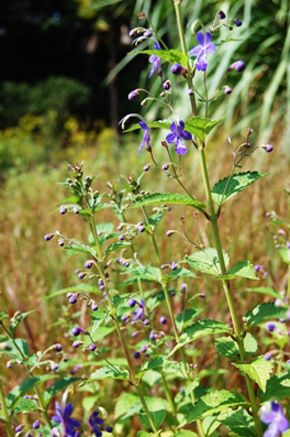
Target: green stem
234,316
177,7
118,328
154,242
9,429
36,389
168,395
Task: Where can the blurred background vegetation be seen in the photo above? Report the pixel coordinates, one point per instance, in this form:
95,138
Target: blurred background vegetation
64,81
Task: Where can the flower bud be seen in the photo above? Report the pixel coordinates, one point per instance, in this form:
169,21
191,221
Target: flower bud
169,233
165,167
166,85
268,148
227,89
89,264
163,320
238,66
49,237
176,69
221,15
238,22
133,95
58,347
62,210
136,355
92,347
146,167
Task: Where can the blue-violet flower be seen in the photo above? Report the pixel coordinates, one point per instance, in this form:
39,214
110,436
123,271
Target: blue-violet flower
177,136
202,50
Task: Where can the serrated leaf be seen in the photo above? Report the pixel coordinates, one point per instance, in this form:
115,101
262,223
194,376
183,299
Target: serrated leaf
250,344
124,403
227,347
263,312
25,406
200,127
167,198
206,261
278,387
186,317
180,273
146,273
228,187
158,410
198,330
58,386
172,56
113,372
264,290
243,269
212,403
239,422
259,371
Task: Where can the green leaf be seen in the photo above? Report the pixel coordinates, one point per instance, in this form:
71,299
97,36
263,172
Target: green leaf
86,288
112,372
158,124
200,329
180,273
124,403
206,261
278,387
185,433
101,332
25,406
284,253
186,317
239,422
166,198
263,312
259,371
227,347
26,386
146,273
58,386
250,344
212,403
158,410
17,319
232,185
264,290
200,127
243,269
171,56
3,315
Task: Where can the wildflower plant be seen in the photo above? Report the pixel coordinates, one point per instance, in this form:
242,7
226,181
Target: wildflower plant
133,329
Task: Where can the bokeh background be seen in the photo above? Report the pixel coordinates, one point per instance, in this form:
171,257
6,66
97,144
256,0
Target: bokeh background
64,79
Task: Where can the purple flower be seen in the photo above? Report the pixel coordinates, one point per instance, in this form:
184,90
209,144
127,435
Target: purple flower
177,136
139,312
155,61
146,140
63,416
95,423
272,414
202,50
238,66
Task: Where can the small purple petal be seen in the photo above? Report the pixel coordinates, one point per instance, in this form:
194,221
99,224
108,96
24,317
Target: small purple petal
170,138
200,38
